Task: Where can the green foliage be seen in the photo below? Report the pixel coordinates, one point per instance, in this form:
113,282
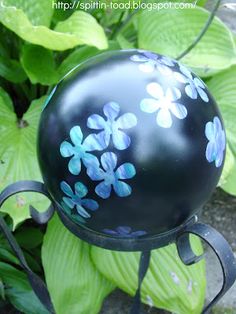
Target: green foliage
171,36
38,46
223,87
18,290
42,72
18,156
169,284
73,281
79,29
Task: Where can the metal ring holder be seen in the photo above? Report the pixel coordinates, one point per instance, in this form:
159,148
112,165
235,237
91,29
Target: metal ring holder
212,237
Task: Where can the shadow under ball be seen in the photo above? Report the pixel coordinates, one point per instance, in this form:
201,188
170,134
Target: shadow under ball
131,144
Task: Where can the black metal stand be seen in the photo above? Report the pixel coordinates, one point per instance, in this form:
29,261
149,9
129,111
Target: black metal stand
180,235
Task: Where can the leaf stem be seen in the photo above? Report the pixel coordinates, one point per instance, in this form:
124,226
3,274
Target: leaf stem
203,31
120,26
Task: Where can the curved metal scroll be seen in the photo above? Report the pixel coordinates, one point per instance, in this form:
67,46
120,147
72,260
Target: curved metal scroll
220,247
36,282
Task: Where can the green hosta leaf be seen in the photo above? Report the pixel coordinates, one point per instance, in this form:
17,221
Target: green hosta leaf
76,57
72,279
79,55
223,88
19,292
170,32
124,43
169,284
42,72
79,29
18,159
38,12
11,70
85,28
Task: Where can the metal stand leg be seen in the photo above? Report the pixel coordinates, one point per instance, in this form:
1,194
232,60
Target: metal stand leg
36,282
220,247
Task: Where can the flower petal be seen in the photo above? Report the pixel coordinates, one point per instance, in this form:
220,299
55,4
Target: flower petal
155,90
68,202
82,212
210,131
149,105
109,161
173,94
138,58
211,151
66,188
96,122
180,77
95,142
150,55
126,171
66,149
191,91
103,190
147,67
203,94
74,165
90,160
164,118
111,232
122,189
95,173
138,233
178,110
121,140
126,121
198,83
217,125
123,230
219,159
89,204
80,189
164,69
186,71
76,135
167,61
111,110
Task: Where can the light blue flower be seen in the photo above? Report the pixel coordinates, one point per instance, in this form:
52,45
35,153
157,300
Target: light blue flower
111,177
194,85
76,199
80,150
164,104
73,215
124,231
112,127
217,142
150,61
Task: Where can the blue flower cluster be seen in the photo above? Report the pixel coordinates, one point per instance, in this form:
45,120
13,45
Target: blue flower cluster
106,171
165,103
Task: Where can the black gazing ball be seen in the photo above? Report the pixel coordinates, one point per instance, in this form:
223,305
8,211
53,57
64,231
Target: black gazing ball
131,144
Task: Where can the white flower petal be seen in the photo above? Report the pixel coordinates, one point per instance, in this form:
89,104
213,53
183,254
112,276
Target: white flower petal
155,90
164,118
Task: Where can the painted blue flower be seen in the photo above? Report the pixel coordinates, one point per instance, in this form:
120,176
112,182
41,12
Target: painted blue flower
194,86
164,104
76,199
74,216
216,145
111,177
79,151
150,61
112,126
124,231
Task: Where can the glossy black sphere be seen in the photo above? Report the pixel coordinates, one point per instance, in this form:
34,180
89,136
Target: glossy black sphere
131,144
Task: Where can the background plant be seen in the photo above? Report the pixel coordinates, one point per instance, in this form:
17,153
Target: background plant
38,46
